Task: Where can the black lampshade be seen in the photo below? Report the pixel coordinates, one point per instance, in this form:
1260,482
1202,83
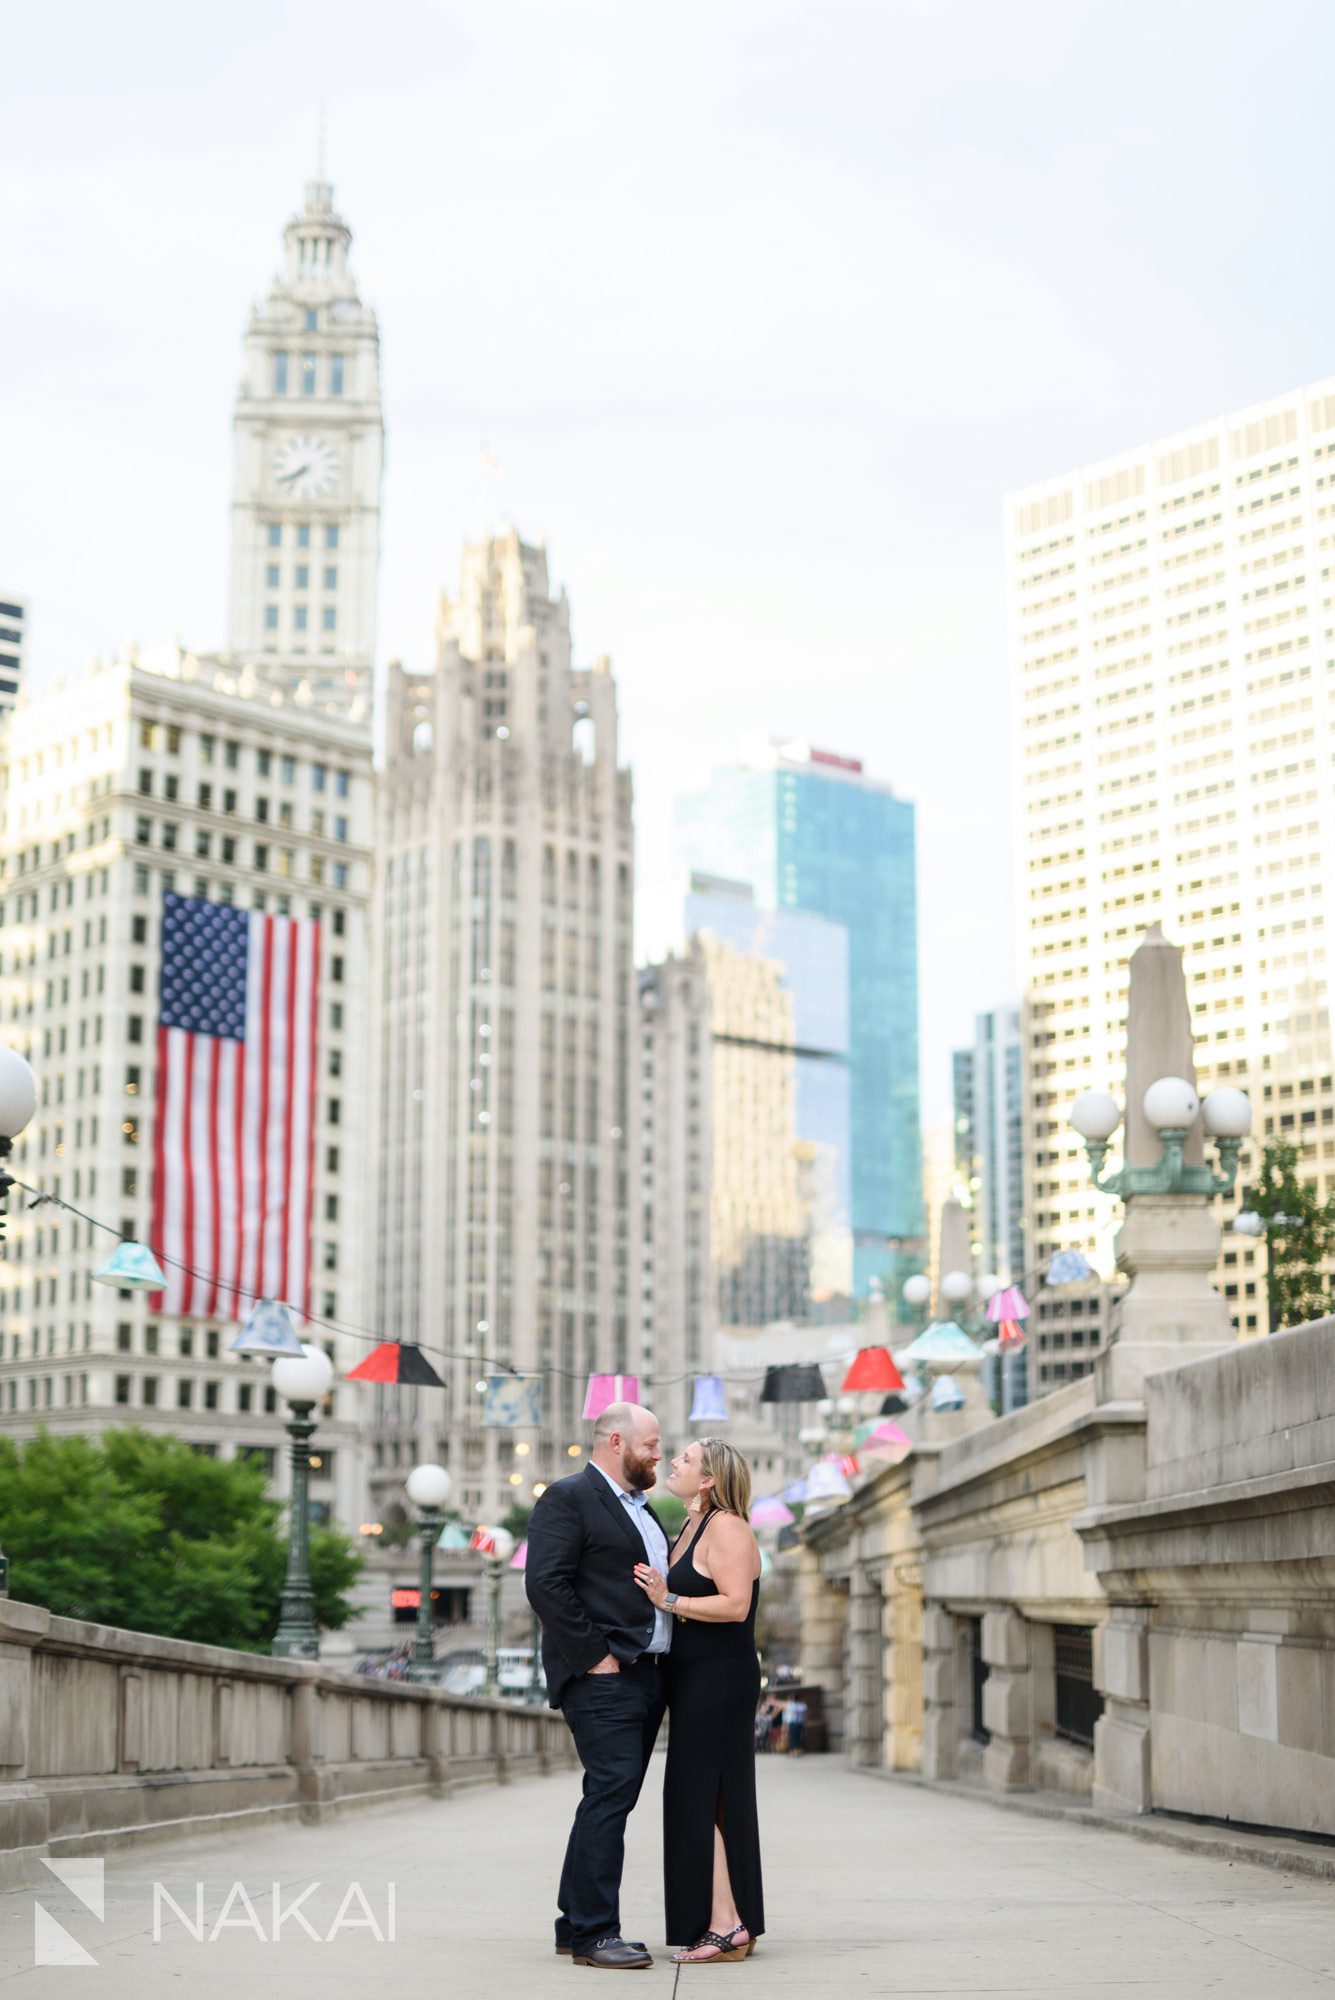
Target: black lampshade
794,1382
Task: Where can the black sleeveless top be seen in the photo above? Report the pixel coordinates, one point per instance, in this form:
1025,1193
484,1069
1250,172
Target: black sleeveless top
699,1638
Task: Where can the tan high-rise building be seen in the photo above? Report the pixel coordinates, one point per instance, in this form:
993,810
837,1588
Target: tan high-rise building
1170,613
507,1032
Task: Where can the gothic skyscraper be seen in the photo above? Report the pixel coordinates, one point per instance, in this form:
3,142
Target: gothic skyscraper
309,449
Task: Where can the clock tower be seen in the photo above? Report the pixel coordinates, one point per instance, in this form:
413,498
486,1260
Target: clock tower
309,449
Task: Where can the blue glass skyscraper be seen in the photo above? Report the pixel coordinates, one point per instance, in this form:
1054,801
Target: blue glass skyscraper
811,831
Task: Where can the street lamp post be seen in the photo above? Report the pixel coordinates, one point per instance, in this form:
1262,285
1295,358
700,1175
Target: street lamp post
1170,1106
430,1489
18,1101
502,1548
302,1383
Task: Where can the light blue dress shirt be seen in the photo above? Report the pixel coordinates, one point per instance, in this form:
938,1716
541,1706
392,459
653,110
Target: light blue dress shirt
655,1547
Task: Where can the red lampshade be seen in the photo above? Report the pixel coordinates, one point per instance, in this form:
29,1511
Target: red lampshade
873,1368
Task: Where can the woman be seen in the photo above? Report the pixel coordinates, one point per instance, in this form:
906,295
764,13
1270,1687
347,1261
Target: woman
711,1840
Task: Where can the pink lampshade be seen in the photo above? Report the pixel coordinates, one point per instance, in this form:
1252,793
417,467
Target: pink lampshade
520,1556
771,1512
1008,1303
887,1441
605,1389
1010,1334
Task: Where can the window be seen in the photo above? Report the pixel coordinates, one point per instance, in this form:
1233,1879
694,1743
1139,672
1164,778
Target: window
318,776
331,537
271,577
122,1388
206,749
303,535
280,374
340,827
146,782
336,374
1078,1702
263,762
312,319
308,374
303,577
299,619
185,1394
331,576
123,1337
288,770
204,798
150,1389
169,835
327,618
228,848
341,783
275,534
173,740
187,1346
231,755
261,857
245,1392
340,874
150,1339
210,1395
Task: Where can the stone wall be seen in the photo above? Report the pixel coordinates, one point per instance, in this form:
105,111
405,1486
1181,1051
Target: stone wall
1183,1539
108,1735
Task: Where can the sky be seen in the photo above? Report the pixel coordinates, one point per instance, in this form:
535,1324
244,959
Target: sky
763,307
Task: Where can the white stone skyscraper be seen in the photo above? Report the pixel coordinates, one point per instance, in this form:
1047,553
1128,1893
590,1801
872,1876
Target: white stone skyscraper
506,1041
309,451
1175,713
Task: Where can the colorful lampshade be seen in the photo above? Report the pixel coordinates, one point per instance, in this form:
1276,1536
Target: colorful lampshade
131,1267
604,1390
872,1368
942,1344
513,1402
895,1406
795,1492
269,1330
482,1541
453,1538
1068,1267
1010,1334
1008,1303
793,1382
770,1511
766,1562
827,1481
709,1405
946,1394
886,1441
396,1361
520,1556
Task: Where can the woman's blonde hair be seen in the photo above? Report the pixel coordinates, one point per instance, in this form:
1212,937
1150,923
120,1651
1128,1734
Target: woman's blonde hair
725,1465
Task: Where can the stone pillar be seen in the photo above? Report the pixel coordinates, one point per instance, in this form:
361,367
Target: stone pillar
1122,1732
903,1694
864,1717
1007,1706
436,1747
315,1786
824,1621
1169,1247
940,1718
24,1817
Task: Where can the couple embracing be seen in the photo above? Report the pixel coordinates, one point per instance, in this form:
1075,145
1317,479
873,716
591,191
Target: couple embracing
633,1625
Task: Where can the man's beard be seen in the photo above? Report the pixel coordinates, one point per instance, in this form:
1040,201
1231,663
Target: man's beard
642,1475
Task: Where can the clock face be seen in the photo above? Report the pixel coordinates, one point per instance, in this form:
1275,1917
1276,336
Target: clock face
305,467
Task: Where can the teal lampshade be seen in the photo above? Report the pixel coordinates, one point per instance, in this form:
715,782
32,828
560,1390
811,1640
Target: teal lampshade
709,1404
453,1537
132,1267
269,1330
941,1345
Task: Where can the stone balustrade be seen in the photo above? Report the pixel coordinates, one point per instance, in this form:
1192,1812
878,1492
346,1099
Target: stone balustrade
1175,1546
108,1735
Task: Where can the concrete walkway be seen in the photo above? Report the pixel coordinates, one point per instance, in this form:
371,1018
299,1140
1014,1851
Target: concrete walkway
871,1887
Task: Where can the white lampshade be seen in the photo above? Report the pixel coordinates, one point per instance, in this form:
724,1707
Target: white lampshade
1095,1115
825,1407
1227,1113
306,1380
988,1282
956,1285
429,1488
18,1093
1248,1223
917,1290
505,1544
1170,1104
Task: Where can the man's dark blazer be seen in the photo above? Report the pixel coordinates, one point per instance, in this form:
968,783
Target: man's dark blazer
580,1579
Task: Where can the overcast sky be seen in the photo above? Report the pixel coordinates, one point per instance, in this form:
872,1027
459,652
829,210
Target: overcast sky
763,306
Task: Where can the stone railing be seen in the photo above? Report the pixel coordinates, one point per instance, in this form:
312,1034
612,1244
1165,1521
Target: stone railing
108,1735
1129,1599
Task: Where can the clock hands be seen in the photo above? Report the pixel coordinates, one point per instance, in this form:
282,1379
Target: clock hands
286,478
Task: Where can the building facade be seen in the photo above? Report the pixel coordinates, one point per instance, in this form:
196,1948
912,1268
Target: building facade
989,1141
507,1032
810,831
308,454
1169,633
179,773
13,642
801,972
674,1141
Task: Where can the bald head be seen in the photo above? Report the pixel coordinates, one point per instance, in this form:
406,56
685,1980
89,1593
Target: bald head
627,1447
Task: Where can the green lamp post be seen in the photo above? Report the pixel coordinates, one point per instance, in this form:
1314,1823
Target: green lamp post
302,1382
430,1489
1170,1106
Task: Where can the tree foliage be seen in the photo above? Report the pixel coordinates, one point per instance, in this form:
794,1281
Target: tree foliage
1300,1236
137,1530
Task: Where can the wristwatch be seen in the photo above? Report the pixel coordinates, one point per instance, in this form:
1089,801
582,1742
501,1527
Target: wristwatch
671,1601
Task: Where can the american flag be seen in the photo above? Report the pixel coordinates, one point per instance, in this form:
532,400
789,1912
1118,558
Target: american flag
234,1134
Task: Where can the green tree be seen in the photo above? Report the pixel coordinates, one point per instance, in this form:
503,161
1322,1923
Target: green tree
1300,1236
137,1530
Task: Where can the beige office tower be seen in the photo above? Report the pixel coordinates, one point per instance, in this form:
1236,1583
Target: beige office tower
1174,677
677,1315
506,1036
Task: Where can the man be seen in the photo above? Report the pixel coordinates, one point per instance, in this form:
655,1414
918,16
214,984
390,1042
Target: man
795,1719
603,1649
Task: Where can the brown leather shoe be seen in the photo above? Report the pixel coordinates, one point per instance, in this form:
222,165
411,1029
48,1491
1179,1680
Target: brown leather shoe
613,1954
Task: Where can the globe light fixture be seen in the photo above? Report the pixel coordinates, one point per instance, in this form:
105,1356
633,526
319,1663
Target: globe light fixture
1170,1104
917,1290
987,1283
956,1286
1248,1223
1227,1113
430,1488
18,1095
302,1381
1095,1115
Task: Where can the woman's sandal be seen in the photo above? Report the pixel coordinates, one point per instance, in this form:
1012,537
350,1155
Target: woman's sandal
724,1952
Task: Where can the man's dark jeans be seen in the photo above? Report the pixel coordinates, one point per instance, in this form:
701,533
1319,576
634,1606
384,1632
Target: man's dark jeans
614,1719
